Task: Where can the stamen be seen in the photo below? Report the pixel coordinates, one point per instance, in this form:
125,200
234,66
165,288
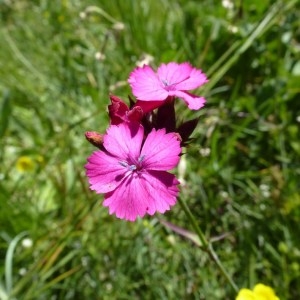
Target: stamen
123,163
126,165
141,158
165,82
132,167
168,84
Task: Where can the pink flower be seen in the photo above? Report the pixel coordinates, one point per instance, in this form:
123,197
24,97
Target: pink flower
132,174
171,80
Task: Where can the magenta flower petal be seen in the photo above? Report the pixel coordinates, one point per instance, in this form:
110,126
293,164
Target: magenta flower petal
196,79
162,189
104,172
161,150
124,140
129,200
141,194
172,73
194,102
146,86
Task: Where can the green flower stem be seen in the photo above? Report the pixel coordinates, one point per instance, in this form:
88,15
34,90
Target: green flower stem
206,245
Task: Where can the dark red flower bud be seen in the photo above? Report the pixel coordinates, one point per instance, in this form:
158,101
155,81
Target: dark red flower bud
135,114
117,110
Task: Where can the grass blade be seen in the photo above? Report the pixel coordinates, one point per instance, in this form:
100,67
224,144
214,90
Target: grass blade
9,261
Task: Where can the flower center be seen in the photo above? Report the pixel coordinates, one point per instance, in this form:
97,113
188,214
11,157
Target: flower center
133,166
172,86
167,85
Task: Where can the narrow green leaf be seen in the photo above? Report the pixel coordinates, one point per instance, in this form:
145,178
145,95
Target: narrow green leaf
9,261
3,293
5,112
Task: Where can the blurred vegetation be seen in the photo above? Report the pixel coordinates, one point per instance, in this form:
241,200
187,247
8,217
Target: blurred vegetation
59,60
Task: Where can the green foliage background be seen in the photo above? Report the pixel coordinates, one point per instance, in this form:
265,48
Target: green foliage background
244,193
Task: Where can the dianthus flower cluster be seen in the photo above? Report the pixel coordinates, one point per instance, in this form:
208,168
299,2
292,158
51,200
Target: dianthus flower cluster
144,142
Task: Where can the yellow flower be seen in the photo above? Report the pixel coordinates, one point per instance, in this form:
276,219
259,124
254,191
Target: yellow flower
260,292
24,164
245,294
